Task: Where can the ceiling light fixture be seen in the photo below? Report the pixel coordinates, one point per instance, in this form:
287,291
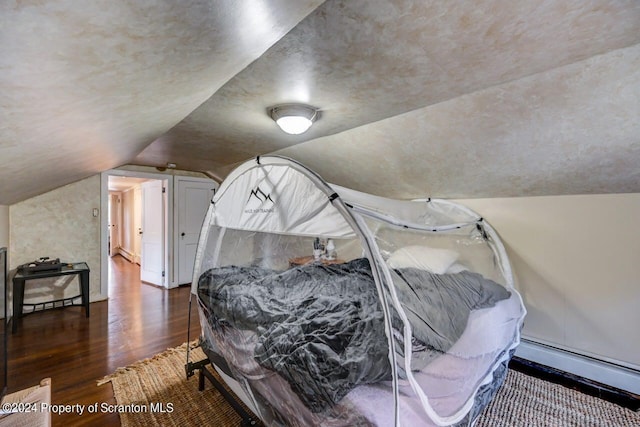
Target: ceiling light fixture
294,119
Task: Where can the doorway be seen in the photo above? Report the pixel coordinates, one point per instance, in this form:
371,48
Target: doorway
136,224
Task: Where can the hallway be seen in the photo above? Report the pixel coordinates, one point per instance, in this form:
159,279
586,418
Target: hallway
137,321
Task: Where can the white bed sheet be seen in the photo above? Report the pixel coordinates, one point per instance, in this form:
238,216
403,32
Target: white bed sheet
446,380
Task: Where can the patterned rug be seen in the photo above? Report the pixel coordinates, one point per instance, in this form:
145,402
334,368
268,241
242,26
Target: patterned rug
525,401
159,395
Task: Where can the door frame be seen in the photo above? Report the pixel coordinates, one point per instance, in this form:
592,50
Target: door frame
104,236
118,219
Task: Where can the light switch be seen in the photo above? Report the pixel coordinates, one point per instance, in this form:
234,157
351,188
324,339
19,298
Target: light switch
95,212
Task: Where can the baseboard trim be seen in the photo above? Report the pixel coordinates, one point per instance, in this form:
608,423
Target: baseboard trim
126,254
601,373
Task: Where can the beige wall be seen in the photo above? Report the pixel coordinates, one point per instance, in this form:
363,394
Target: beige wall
128,214
59,224
577,265
4,226
131,222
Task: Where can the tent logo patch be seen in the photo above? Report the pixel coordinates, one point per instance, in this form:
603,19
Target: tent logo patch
260,195
259,201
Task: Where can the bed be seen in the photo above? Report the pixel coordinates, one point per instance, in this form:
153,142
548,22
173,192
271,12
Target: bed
275,325
409,316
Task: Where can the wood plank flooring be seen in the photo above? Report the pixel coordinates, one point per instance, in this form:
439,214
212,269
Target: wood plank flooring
137,321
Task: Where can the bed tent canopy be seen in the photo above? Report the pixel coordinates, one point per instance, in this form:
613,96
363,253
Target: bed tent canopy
411,321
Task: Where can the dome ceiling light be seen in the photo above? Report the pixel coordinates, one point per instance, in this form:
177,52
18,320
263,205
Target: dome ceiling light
294,119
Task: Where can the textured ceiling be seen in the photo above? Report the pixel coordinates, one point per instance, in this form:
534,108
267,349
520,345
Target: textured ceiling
86,86
451,99
572,130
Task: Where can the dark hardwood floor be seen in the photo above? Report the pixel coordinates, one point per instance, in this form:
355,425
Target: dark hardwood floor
137,321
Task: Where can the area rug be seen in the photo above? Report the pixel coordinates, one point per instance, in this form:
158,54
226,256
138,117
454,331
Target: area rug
524,401
156,392
159,383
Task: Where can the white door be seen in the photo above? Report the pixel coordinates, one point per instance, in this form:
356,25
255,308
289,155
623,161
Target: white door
114,223
152,233
194,197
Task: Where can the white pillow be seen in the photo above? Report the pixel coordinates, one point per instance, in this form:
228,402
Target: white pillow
457,268
434,260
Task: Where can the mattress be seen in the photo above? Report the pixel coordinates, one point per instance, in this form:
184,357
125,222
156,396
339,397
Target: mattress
248,319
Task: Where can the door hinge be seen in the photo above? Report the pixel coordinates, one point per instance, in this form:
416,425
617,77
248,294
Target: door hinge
164,189
163,274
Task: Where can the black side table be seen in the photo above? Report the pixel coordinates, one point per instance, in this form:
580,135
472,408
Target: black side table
79,268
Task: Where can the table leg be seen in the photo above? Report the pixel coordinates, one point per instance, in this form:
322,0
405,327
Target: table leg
84,287
18,299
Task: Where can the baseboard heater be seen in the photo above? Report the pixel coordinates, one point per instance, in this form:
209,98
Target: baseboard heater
616,383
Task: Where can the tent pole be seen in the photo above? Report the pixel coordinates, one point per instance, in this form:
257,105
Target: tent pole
188,367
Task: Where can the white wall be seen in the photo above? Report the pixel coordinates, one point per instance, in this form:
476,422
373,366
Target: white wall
115,220
131,222
4,226
577,265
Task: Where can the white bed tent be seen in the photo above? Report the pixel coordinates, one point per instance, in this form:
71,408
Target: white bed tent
271,211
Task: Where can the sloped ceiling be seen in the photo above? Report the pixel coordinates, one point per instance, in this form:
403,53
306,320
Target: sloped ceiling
572,130
86,86
449,99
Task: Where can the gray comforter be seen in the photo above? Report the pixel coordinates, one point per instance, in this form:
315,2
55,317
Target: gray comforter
322,327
